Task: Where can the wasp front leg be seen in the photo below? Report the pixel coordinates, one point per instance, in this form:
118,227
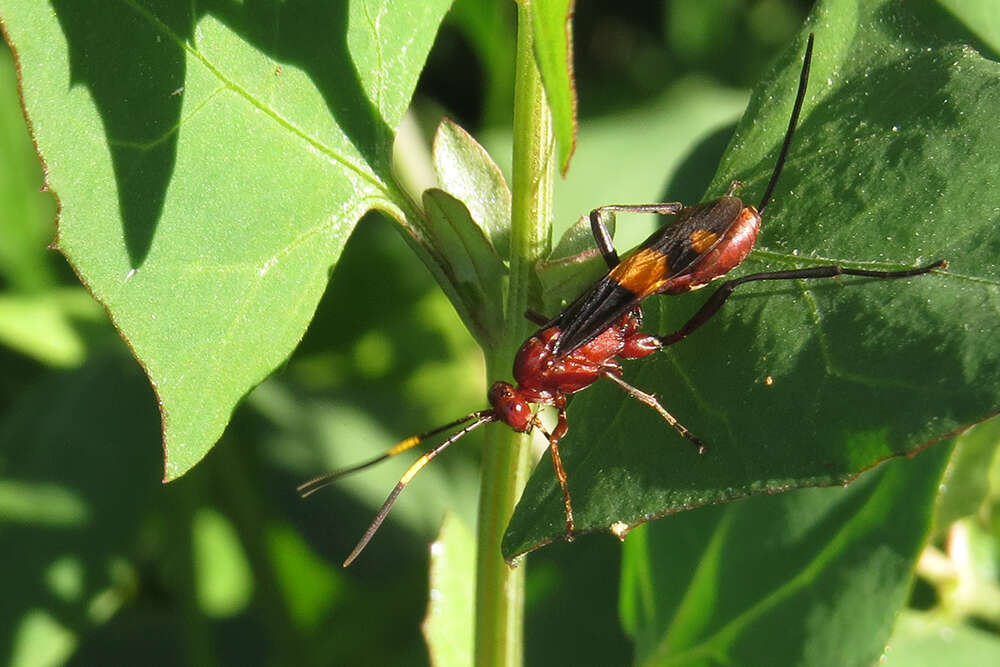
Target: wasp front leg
599,218
558,433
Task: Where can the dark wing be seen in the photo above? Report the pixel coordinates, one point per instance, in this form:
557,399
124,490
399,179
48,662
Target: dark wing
667,253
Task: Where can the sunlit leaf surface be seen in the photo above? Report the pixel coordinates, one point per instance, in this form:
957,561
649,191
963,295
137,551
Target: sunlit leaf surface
209,180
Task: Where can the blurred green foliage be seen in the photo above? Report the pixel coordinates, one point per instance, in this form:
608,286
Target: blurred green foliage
104,565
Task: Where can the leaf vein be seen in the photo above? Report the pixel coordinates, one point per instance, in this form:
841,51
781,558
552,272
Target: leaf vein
330,152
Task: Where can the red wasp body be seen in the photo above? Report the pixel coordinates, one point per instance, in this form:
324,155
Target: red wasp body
545,375
585,341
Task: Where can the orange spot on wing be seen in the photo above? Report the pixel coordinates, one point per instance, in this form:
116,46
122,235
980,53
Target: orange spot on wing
642,273
702,239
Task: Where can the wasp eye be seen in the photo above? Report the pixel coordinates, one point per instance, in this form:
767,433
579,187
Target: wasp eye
510,406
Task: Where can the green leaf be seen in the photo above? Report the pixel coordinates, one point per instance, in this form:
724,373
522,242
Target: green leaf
224,582
810,383
210,162
41,325
309,584
469,260
70,515
812,577
966,484
553,46
927,640
468,173
41,640
978,17
448,627
468,223
26,219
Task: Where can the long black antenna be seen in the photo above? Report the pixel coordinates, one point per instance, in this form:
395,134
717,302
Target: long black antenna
799,97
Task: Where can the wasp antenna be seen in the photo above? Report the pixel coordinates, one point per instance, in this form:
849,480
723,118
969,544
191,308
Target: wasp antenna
310,487
799,97
483,417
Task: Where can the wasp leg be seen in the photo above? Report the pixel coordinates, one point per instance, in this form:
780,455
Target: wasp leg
600,228
651,401
557,434
711,307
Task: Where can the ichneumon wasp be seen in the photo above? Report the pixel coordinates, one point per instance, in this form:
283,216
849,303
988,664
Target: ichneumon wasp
583,343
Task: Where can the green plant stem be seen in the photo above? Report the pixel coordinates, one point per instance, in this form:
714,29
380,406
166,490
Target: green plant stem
507,459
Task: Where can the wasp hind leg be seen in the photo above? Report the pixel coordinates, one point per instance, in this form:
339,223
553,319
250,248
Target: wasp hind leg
711,307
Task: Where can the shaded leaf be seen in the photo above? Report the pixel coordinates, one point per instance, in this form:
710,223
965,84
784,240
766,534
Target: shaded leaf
813,577
68,513
309,584
810,383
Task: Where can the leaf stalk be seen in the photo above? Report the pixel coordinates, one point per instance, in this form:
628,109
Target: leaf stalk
507,458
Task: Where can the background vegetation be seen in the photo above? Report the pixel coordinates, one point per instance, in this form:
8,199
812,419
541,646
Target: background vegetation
104,565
